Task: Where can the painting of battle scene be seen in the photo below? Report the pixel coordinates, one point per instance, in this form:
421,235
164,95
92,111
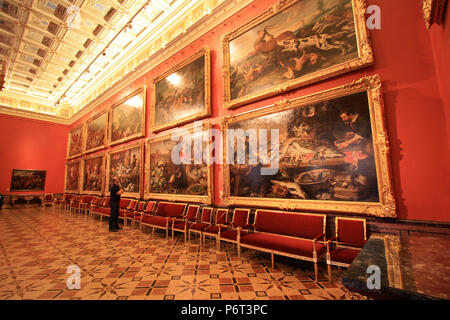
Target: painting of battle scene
325,153
28,180
182,94
93,174
303,39
96,133
126,164
168,178
75,142
72,176
127,118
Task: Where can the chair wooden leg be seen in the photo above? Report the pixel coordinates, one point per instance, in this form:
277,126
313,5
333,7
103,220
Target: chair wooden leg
273,260
316,271
329,273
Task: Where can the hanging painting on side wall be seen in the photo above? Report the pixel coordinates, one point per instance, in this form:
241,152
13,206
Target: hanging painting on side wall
172,172
327,151
75,143
295,43
127,118
92,173
126,163
183,93
28,180
95,132
72,177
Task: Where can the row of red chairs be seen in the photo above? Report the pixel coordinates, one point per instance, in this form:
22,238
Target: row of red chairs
209,222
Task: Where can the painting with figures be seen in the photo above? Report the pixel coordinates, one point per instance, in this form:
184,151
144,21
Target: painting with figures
126,164
297,43
127,118
96,133
93,174
183,93
75,143
325,148
185,180
28,180
72,176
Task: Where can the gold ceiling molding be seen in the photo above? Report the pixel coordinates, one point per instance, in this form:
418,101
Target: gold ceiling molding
141,63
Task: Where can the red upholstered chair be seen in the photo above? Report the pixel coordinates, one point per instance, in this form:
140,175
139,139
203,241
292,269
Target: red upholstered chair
149,210
67,199
347,243
130,214
95,201
240,220
165,214
129,209
58,201
48,199
74,204
205,222
189,219
221,223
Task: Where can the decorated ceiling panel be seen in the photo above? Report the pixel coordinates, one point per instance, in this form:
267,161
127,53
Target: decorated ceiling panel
58,51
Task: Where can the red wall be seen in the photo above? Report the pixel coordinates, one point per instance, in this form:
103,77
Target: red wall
31,144
407,56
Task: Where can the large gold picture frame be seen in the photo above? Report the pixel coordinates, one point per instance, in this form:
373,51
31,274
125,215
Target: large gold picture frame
72,176
127,163
188,182
309,165
95,132
75,142
293,44
183,93
126,120
92,178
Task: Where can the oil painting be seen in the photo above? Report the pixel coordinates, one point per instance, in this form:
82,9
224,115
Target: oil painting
172,172
331,152
28,180
292,45
75,143
127,118
72,178
93,174
183,93
126,163
95,132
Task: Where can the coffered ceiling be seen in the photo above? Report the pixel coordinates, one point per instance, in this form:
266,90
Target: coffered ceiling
60,54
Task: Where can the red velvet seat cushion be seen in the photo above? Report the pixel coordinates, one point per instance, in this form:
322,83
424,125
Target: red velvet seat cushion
199,226
180,225
137,216
155,221
214,229
129,214
290,224
300,247
344,255
231,234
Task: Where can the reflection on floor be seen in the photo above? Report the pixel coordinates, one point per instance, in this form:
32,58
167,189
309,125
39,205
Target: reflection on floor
37,245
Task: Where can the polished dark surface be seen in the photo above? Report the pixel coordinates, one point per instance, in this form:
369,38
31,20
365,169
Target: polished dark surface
411,267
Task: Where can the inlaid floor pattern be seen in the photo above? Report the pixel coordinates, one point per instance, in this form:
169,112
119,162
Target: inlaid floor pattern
37,245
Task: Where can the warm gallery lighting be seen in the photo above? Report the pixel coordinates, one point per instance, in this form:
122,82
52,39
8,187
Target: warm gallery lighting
174,79
135,101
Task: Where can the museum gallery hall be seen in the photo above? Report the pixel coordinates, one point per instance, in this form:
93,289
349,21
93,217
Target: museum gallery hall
224,150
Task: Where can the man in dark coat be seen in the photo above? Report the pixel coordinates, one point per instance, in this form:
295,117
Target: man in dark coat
114,202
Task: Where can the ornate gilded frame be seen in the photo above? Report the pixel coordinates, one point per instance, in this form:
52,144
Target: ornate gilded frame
66,190
140,134
205,52
69,141
385,207
205,199
433,11
82,171
365,56
85,134
139,144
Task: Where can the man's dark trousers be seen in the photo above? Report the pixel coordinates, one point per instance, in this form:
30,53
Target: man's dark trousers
114,217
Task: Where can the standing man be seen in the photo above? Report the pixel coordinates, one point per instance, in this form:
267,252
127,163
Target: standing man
114,201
